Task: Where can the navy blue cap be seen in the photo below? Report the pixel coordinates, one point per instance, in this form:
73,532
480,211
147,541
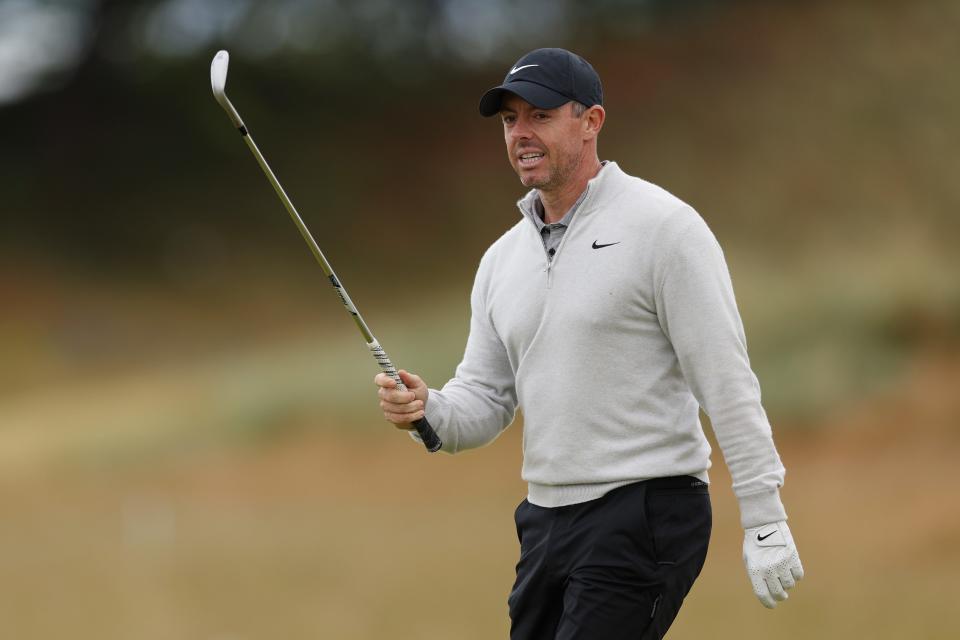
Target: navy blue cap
547,78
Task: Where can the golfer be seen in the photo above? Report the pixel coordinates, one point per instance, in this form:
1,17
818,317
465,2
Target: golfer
607,315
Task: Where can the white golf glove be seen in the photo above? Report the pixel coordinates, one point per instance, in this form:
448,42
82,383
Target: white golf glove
772,562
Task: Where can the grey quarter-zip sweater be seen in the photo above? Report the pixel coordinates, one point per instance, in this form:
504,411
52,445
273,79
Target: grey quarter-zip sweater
610,349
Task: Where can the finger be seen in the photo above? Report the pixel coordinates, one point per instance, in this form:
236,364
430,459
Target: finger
763,593
385,381
396,396
402,408
786,579
797,570
776,589
402,418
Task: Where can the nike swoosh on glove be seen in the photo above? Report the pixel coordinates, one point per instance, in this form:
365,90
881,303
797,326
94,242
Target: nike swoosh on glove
772,562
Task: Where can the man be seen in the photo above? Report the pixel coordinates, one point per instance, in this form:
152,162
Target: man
607,314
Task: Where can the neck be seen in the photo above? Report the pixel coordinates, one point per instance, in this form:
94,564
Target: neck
556,202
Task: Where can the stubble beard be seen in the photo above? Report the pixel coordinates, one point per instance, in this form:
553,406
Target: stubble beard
557,177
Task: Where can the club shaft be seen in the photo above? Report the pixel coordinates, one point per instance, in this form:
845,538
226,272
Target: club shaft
426,432
308,238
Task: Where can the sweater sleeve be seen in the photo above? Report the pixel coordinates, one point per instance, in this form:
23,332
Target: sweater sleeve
474,407
698,314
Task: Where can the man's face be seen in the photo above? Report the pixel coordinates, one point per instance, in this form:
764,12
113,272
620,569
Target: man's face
545,146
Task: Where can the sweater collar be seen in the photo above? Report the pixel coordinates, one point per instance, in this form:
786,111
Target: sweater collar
595,186
564,221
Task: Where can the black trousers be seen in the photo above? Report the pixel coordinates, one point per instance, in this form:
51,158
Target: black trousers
613,568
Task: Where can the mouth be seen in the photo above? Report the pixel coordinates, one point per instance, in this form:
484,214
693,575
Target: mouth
529,159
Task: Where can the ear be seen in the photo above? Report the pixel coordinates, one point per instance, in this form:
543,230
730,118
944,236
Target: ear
593,119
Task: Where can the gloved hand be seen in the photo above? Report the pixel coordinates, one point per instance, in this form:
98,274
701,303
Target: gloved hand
772,562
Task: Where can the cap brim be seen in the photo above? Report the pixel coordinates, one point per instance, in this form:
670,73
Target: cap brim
536,94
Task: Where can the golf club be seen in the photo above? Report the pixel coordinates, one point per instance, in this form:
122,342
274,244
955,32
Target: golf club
218,80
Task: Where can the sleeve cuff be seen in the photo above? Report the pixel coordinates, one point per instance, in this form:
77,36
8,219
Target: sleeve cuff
758,509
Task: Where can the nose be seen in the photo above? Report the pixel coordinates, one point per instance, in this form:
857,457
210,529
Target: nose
520,129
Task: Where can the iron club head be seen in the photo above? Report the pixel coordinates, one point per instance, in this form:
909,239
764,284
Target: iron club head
218,82
218,74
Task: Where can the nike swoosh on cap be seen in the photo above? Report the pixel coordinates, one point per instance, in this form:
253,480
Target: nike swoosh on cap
515,69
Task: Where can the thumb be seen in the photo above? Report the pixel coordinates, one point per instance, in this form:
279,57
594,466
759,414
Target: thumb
411,380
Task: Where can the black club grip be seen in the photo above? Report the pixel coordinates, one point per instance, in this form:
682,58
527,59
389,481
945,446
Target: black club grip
430,438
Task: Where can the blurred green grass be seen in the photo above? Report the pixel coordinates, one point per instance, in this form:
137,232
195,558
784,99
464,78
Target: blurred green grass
824,331
222,395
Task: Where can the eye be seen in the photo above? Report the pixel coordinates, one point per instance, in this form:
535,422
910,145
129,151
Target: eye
508,119
541,116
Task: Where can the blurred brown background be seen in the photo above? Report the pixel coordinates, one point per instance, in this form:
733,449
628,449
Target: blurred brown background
190,445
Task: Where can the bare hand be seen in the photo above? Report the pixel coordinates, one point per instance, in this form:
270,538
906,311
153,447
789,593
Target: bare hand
402,407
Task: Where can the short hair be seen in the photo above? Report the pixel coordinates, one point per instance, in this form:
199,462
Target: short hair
578,108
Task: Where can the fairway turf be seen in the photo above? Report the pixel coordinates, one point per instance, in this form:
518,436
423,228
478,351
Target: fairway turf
310,536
